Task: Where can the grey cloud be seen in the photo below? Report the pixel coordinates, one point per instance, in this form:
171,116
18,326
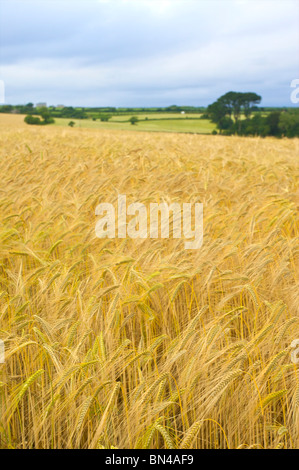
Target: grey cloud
147,52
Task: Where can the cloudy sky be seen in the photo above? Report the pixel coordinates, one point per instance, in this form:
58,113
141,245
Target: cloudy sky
147,52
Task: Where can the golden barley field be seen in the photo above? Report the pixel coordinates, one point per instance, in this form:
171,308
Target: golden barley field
121,343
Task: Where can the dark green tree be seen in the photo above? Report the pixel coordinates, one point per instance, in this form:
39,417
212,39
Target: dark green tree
46,115
233,103
104,117
249,101
34,120
229,105
133,120
216,111
272,120
289,123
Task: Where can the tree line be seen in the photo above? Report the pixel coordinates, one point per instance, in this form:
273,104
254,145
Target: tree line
232,114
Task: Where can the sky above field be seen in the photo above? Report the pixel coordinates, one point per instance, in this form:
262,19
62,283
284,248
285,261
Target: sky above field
147,52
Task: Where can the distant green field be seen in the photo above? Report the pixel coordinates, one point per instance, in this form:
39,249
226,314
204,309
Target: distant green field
156,122
141,116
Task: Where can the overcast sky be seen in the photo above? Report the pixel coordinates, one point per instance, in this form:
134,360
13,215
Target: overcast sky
147,52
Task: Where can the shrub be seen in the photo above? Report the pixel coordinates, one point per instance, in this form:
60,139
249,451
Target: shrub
105,117
34,120
133,120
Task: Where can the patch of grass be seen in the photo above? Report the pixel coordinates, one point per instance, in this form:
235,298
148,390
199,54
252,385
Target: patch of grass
165,124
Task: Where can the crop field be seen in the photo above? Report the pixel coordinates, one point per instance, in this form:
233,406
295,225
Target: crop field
140,343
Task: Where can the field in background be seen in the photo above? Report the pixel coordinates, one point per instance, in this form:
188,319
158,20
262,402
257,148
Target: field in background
124,117
200,126
140,343
156,122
